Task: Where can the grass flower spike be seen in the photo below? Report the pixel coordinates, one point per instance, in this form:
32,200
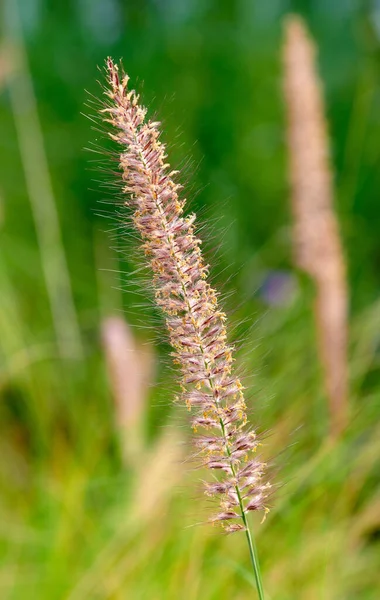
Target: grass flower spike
318,246
196,325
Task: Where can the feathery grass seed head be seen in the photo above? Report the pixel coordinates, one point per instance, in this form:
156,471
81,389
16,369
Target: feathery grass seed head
194,320
318,246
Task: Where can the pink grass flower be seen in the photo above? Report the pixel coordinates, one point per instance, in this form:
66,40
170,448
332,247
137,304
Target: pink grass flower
196,325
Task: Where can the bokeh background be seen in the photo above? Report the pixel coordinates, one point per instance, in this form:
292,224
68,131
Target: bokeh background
92,507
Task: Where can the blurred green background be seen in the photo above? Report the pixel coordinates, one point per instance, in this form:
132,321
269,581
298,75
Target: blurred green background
78,519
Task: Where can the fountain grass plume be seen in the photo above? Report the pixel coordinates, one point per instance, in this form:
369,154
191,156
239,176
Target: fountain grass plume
213,394
317,242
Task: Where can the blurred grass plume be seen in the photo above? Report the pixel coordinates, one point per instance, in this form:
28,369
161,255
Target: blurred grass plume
130,372
317,245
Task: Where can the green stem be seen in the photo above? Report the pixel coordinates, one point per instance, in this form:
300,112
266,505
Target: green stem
250,540
254,558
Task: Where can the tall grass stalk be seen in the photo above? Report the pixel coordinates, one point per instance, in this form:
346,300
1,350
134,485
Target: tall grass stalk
39,186
196,325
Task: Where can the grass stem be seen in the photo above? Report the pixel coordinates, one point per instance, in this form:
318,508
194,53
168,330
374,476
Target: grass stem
254,559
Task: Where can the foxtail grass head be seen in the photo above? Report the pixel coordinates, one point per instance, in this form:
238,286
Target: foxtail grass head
213,394
317,241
